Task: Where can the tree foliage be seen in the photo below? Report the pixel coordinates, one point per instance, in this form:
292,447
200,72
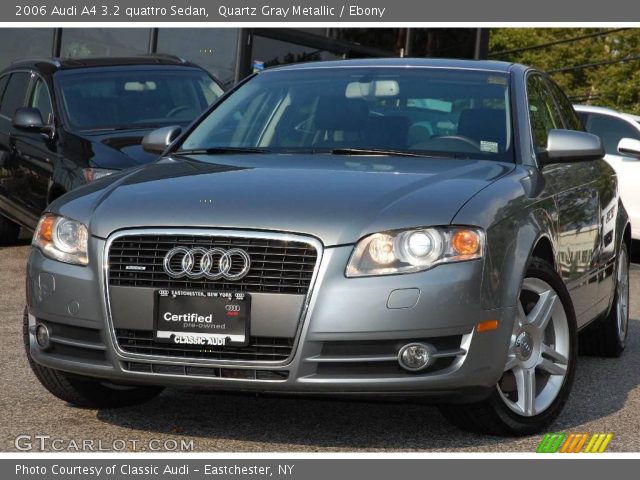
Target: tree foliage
616,85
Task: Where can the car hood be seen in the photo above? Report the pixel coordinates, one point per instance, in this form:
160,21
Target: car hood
336,199
114,150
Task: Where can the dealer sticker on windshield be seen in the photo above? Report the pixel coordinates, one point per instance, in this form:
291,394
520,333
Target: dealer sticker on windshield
490,147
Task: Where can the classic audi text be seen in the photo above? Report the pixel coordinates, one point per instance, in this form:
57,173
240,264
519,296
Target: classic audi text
390,228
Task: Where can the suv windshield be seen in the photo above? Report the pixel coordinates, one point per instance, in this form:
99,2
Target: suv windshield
129,98
428,111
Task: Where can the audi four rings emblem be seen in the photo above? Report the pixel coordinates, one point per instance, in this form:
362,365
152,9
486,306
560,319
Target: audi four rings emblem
214,264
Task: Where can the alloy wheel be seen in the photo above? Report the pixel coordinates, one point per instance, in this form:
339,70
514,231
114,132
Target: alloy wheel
538,353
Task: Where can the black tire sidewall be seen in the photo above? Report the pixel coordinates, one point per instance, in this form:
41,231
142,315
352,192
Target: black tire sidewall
613,314
517,424
84,392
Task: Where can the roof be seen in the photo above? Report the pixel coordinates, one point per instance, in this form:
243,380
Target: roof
607,111
56,64
595,109
488,65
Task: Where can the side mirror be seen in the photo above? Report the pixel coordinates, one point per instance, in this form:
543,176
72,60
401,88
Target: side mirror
568,146
28,118
158,140
629,147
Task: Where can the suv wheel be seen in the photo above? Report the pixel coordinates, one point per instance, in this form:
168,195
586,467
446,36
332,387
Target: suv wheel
607,337
9,231
83,391
540,363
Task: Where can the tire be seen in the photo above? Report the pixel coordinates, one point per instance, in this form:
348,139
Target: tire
85,392
607,337
9,231
542,355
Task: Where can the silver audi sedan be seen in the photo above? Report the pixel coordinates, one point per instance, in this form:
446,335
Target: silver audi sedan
387,228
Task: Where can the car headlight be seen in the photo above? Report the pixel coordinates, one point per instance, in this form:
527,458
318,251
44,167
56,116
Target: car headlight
93,174
413,250
62,239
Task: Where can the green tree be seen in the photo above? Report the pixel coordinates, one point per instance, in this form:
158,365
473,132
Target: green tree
616,85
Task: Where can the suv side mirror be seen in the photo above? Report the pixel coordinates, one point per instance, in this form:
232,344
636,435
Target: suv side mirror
158,140
27,118
568,146
629,147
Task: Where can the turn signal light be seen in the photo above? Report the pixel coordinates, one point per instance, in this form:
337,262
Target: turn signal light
487,326
465,242
44,232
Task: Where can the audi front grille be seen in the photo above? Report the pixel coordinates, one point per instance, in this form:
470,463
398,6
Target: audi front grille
272,349
277,266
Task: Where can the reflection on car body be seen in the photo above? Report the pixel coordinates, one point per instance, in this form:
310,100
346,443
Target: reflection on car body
401,227
66,123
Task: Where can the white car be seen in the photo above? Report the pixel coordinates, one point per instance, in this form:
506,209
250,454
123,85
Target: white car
620,134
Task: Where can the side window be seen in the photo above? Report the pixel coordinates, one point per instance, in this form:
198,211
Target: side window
584,118
210,90
3,85
611,130
14,94
542,111
571,120
41,100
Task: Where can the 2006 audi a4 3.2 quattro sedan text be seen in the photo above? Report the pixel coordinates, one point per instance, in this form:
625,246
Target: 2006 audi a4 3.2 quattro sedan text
396,228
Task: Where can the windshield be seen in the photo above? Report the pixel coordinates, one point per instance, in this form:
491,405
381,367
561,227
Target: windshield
130,98
429,111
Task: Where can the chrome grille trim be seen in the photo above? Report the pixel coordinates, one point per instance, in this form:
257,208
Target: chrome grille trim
276,266
123,355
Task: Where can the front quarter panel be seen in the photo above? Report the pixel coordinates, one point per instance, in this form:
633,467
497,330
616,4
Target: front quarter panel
516,212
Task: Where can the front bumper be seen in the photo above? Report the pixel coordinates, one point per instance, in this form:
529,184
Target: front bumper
348,332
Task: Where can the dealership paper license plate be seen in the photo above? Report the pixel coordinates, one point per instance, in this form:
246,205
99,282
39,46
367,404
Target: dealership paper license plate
193,317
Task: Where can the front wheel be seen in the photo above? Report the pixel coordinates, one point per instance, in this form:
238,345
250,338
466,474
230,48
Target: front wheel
85,392
540,364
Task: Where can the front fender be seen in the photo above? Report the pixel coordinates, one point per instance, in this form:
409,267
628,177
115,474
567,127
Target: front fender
510,244
516,212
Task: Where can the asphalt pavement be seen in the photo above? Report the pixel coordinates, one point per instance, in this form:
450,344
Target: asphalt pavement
605,398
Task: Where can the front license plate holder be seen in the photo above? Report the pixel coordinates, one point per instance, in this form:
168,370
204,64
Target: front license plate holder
208,319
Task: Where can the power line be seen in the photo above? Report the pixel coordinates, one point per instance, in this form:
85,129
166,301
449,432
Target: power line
583,66
558,42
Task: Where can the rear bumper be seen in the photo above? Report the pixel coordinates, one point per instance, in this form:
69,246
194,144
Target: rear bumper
346,341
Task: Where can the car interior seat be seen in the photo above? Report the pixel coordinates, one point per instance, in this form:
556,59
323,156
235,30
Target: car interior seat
484,124
339,120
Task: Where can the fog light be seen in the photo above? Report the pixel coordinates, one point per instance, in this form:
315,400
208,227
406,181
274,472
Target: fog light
416,356
42,336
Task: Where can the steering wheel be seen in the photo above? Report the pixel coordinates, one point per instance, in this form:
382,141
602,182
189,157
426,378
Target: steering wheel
178,109
458,138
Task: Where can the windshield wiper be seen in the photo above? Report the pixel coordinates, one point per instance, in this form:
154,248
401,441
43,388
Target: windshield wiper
220,151
375,151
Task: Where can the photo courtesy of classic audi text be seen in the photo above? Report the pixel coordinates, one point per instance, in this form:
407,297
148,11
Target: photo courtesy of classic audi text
318,239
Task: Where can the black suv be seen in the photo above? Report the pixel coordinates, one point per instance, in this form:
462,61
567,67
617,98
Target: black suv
68,122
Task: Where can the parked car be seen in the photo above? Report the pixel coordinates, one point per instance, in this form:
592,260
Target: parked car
620,134
66,123
384,227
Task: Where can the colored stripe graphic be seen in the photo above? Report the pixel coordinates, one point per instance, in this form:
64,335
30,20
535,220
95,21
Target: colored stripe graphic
551,443
598,442
574,443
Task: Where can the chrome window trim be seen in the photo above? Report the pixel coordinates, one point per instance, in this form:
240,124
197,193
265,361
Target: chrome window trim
123,355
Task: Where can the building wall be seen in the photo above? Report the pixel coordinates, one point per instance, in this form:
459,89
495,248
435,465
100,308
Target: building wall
231,53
